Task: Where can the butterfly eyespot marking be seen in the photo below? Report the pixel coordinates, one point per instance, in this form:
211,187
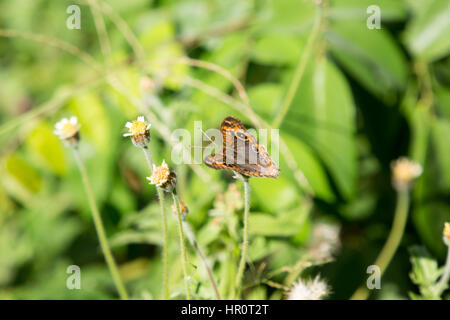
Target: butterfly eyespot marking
254,148
241,135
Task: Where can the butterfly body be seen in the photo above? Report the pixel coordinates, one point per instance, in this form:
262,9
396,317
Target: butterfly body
241,152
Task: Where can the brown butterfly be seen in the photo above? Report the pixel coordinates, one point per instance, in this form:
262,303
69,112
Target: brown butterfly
241,153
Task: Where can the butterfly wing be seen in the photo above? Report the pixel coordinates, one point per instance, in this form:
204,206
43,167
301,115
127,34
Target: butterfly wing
241,152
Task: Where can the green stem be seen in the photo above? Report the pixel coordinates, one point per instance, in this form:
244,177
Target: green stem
148,158
165,241
191,237
182,245
440,286
300,70
241,268
393,241
100,229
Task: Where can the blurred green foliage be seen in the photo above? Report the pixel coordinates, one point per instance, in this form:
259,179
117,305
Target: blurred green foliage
366,97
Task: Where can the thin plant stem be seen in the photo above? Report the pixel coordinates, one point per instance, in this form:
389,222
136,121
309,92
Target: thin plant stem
182,245
240,274
299,71
165,241
191,237
100,229
148,158
393,241
440,286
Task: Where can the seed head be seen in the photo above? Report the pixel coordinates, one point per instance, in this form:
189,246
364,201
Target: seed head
139,131
404,172
163,177
316,289
68,130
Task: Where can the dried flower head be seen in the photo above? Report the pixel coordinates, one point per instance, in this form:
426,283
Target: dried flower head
446,233
68,130
184,210
163,177
404,171
316,289
325,241
139,131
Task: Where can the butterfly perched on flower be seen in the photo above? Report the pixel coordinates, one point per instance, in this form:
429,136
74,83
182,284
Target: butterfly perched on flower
241,153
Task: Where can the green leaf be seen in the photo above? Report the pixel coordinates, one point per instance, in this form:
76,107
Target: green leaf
425,271
277,50
266,98
93,118
322,115
20,179
311,167
440,133
357,10
283,225
47,148
427,34
281,189
159,42
285,16
371,56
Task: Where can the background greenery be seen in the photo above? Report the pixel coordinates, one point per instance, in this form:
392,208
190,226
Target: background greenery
366,97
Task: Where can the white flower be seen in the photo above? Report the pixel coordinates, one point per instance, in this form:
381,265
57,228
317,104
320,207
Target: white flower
404,171
316,289
67,128
163,177
139,131
137,127
325,241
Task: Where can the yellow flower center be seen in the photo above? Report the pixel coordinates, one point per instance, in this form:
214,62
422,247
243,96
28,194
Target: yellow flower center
69,130
138,127
160,175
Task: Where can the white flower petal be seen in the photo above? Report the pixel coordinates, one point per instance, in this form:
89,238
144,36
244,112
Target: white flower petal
128,124
141,118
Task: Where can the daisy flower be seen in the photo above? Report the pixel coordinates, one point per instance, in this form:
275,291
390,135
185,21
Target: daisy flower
163,177
68,130
139,131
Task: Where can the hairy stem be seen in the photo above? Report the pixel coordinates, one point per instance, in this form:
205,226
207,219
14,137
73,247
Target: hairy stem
240,274
441,285
191,237
176,201
165,241
148,158
393,241
100,229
